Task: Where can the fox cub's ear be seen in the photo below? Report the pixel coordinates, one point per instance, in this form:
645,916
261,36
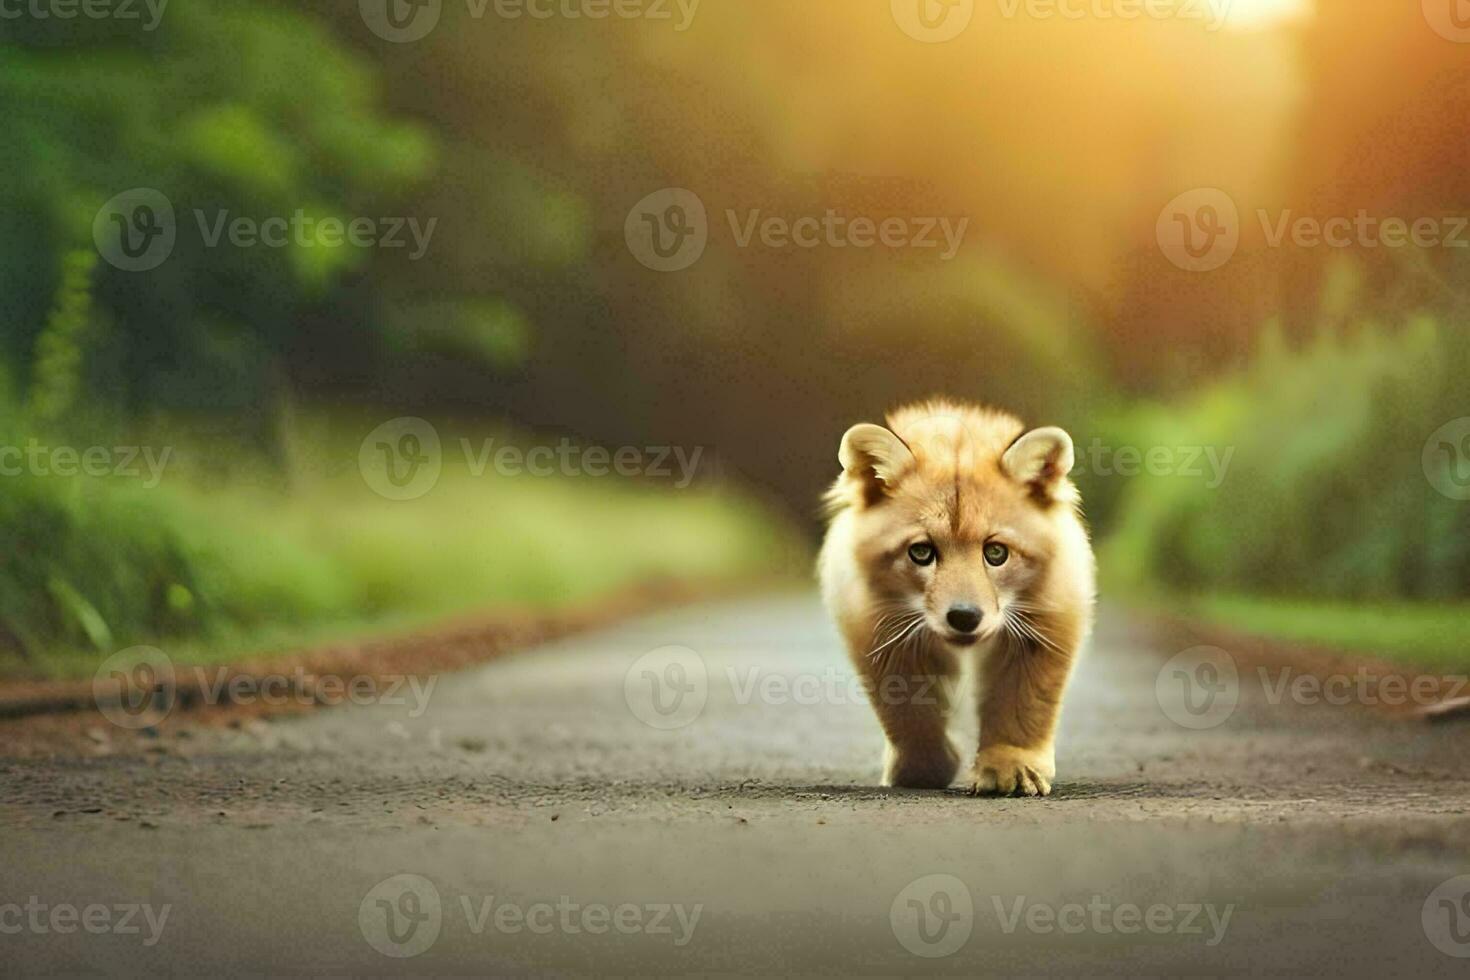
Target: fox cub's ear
875,457
1040,459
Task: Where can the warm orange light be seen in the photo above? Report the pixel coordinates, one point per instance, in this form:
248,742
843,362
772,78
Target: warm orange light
1257,14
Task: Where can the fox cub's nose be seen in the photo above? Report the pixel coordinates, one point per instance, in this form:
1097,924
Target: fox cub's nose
963,617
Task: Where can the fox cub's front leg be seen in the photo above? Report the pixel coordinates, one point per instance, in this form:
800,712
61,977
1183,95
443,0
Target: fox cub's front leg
1020,699
912,696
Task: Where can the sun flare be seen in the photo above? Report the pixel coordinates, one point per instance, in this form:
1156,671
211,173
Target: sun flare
1258,14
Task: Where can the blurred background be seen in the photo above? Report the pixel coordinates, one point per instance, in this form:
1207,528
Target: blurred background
242,244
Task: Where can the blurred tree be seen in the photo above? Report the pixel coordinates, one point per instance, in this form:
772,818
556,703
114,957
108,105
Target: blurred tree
227,112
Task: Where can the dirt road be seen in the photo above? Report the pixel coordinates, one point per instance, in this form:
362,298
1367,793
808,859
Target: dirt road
609,804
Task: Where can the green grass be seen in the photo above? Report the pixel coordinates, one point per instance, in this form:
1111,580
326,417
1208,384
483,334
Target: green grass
1419,634
229,557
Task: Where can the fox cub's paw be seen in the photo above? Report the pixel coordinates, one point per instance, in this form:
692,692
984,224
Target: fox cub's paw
931,766
1005,770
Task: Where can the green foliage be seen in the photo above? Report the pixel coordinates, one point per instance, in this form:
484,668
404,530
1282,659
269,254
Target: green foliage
230,111
526,144
89,562
221,563
1326,494
58,358
1422,634
490,332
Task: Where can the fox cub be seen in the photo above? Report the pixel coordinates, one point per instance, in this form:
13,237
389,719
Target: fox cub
956,529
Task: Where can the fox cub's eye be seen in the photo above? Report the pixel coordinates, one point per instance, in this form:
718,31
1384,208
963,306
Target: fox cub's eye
922,553
997,553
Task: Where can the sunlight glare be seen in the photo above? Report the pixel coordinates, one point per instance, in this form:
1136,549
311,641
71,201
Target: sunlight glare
1252,15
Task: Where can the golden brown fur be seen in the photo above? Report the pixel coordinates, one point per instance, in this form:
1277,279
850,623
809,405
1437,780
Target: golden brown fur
970,485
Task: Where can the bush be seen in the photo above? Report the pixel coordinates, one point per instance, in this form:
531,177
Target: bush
226,555
1326,494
